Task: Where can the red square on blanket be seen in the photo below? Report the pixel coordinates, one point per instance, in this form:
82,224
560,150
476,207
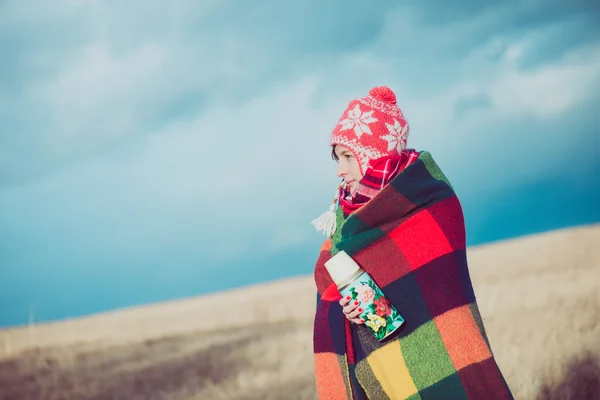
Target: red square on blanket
483,378
376,212
421,239
448,214
384,262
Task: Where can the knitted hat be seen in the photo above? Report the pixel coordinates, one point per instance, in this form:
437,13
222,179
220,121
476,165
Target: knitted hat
372,127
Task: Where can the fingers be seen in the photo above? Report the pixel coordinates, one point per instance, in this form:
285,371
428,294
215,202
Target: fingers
351,309
355,317
344,301
355,313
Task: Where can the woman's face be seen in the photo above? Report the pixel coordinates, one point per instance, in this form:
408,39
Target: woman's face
347,167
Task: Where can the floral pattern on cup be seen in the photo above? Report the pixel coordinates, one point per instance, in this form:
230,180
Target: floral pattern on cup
375,322
365,293
380,316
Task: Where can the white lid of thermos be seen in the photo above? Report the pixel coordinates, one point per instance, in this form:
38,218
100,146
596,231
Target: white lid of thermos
341,267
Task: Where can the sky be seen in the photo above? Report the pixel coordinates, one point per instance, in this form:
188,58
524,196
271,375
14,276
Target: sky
152,151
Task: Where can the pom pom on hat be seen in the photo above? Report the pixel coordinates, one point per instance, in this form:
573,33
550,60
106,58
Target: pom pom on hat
383,93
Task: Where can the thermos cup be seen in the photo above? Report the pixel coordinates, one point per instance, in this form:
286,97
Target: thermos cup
380,316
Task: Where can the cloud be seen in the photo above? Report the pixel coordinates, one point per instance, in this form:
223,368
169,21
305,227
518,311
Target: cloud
552,89
92,78
126,82
481,100
212,182
116,77
196,133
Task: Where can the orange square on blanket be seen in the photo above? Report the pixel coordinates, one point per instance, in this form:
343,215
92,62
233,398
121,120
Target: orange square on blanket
421,239
329,379
462,337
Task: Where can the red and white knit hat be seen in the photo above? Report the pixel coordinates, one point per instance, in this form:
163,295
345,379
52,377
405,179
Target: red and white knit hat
372,127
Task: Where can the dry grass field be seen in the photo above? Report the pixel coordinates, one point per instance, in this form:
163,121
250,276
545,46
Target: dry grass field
539,296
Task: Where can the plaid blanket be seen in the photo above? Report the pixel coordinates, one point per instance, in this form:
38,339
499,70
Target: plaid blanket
411,239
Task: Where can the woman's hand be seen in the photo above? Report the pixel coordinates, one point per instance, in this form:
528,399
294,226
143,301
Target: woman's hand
351,310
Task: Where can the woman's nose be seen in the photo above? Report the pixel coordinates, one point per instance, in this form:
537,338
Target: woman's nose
341,171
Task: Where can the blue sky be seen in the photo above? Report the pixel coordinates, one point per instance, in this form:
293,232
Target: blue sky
156,150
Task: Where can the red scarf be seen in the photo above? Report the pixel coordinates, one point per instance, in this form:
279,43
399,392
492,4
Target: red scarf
378,174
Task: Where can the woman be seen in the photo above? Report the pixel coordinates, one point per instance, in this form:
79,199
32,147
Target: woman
397,216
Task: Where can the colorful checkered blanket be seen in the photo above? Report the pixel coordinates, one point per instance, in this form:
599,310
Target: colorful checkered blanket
411,239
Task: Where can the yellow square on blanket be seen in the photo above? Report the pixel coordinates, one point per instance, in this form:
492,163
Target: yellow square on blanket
398,384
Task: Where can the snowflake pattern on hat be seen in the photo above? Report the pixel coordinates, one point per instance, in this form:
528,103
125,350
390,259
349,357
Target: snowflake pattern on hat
358,121
397,136
372,127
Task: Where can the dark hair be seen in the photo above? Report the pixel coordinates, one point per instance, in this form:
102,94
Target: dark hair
333,155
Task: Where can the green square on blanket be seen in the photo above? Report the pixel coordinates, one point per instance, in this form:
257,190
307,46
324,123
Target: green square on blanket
450,387
434,170
425,343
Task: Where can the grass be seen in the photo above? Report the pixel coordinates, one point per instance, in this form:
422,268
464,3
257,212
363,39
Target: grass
539,297
266,362
579,381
